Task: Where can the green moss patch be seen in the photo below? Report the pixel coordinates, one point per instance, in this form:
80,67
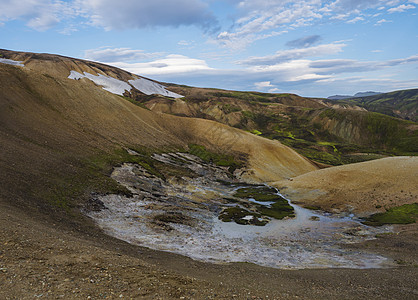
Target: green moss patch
262,194
256,132
405,214
279,209
242,216
222,160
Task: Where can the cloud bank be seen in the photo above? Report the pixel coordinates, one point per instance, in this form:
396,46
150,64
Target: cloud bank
109,14
108,55
129,14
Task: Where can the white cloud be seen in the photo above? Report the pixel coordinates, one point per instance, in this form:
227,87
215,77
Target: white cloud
39,14
355,20
380,22
401,8
107,54
340,16
309,76
392,2
184,43
312,77
240,40
171,64
333,66
261,17
413,1
358,5
263,85
292,54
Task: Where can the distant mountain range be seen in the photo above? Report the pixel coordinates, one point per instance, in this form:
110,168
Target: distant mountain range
400,104
357,95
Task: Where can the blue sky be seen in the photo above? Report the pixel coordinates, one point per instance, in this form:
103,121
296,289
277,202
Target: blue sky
308,47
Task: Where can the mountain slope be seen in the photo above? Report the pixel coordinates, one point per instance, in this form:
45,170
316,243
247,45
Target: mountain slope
68,130
401,104
330,132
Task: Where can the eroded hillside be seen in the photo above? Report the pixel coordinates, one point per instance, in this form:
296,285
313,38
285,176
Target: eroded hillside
60,137
325,131
401,104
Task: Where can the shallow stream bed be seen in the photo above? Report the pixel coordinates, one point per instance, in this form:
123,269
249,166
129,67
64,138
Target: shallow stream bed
181,215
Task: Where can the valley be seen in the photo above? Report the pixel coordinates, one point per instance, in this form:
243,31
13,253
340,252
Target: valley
107,190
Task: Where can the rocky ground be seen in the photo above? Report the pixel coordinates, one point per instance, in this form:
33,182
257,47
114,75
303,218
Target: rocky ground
38,260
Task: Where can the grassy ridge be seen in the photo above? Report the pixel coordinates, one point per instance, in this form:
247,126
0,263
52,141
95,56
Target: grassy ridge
403,104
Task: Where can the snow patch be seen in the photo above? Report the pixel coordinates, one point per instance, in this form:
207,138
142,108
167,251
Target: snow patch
110,84
149,87
11,62
118,87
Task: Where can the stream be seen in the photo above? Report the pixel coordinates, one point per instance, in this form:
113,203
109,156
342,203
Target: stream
181,215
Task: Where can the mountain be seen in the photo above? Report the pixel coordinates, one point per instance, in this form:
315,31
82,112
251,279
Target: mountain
74,133
401,104
339,97
359,94
325,131
366,94
58,124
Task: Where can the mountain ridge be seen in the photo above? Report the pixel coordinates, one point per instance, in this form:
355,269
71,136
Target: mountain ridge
326,131
356,95
401,104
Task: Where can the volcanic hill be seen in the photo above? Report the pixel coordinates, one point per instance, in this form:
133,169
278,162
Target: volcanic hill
66,123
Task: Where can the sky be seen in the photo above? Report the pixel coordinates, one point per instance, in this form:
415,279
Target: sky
311,48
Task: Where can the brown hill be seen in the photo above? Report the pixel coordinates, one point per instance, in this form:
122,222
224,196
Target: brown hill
361,188
52,128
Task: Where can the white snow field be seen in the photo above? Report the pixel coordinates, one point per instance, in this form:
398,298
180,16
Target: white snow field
149,87
108,83
11,62
118,87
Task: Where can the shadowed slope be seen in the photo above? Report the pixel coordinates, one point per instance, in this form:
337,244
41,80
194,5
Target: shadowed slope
53,128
